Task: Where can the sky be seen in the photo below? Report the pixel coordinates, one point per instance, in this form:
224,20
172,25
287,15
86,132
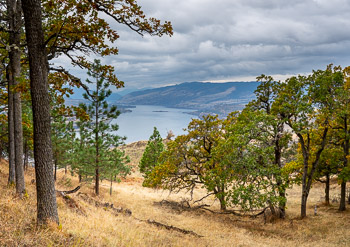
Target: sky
234,40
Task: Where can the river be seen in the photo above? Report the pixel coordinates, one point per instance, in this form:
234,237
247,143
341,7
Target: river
138,124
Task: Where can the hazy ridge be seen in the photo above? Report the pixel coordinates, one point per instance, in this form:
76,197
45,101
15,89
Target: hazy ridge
220,98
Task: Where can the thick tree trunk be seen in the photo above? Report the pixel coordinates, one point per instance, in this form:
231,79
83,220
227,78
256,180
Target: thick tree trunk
327,190
342,205
222,204
15,25
46,195
221,196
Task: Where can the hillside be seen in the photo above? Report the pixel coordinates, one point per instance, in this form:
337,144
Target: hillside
159,218
220,98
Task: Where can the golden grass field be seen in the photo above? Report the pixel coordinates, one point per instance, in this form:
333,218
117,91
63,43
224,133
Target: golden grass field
82,223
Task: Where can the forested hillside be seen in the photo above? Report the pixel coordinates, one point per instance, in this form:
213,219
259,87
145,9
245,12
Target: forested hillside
220,98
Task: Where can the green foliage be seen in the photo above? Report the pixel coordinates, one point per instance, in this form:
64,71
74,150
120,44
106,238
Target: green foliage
152,152
187,160
115,166
95,152
247,151
308,105
62,137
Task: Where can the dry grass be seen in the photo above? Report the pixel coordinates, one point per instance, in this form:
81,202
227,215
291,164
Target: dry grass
101,226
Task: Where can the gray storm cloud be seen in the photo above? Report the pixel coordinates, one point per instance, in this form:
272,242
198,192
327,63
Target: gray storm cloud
228,40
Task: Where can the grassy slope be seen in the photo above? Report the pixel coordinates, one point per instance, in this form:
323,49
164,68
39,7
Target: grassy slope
89,225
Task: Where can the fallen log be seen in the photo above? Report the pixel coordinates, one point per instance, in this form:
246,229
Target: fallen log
173,228
105,205
235,212
65,192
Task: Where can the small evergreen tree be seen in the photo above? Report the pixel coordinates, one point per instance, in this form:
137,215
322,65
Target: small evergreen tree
152,152
116,166
97,134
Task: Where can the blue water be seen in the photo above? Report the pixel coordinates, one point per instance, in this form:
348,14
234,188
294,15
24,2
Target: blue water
138,124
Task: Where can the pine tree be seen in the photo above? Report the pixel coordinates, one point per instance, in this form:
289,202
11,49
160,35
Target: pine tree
115,166
152,152
98,131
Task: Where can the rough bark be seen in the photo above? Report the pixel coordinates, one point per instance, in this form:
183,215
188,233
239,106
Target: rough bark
15,25
11,133
38,64
327,190
342,205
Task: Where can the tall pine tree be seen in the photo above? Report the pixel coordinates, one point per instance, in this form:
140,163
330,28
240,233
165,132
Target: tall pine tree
100,132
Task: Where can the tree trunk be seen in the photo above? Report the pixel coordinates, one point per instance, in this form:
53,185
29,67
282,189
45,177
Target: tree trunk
280,185
1,150
11,132
222,204
304,191
25,161
346,147
342,206
110,189
97,181
55,174
38,64
221,196
97,172
282,204
304,197
308,175
327,190
15,25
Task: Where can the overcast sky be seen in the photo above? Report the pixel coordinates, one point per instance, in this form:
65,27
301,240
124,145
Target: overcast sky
234,40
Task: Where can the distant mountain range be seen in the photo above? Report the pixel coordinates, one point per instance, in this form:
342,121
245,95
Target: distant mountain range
202,97
219,98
